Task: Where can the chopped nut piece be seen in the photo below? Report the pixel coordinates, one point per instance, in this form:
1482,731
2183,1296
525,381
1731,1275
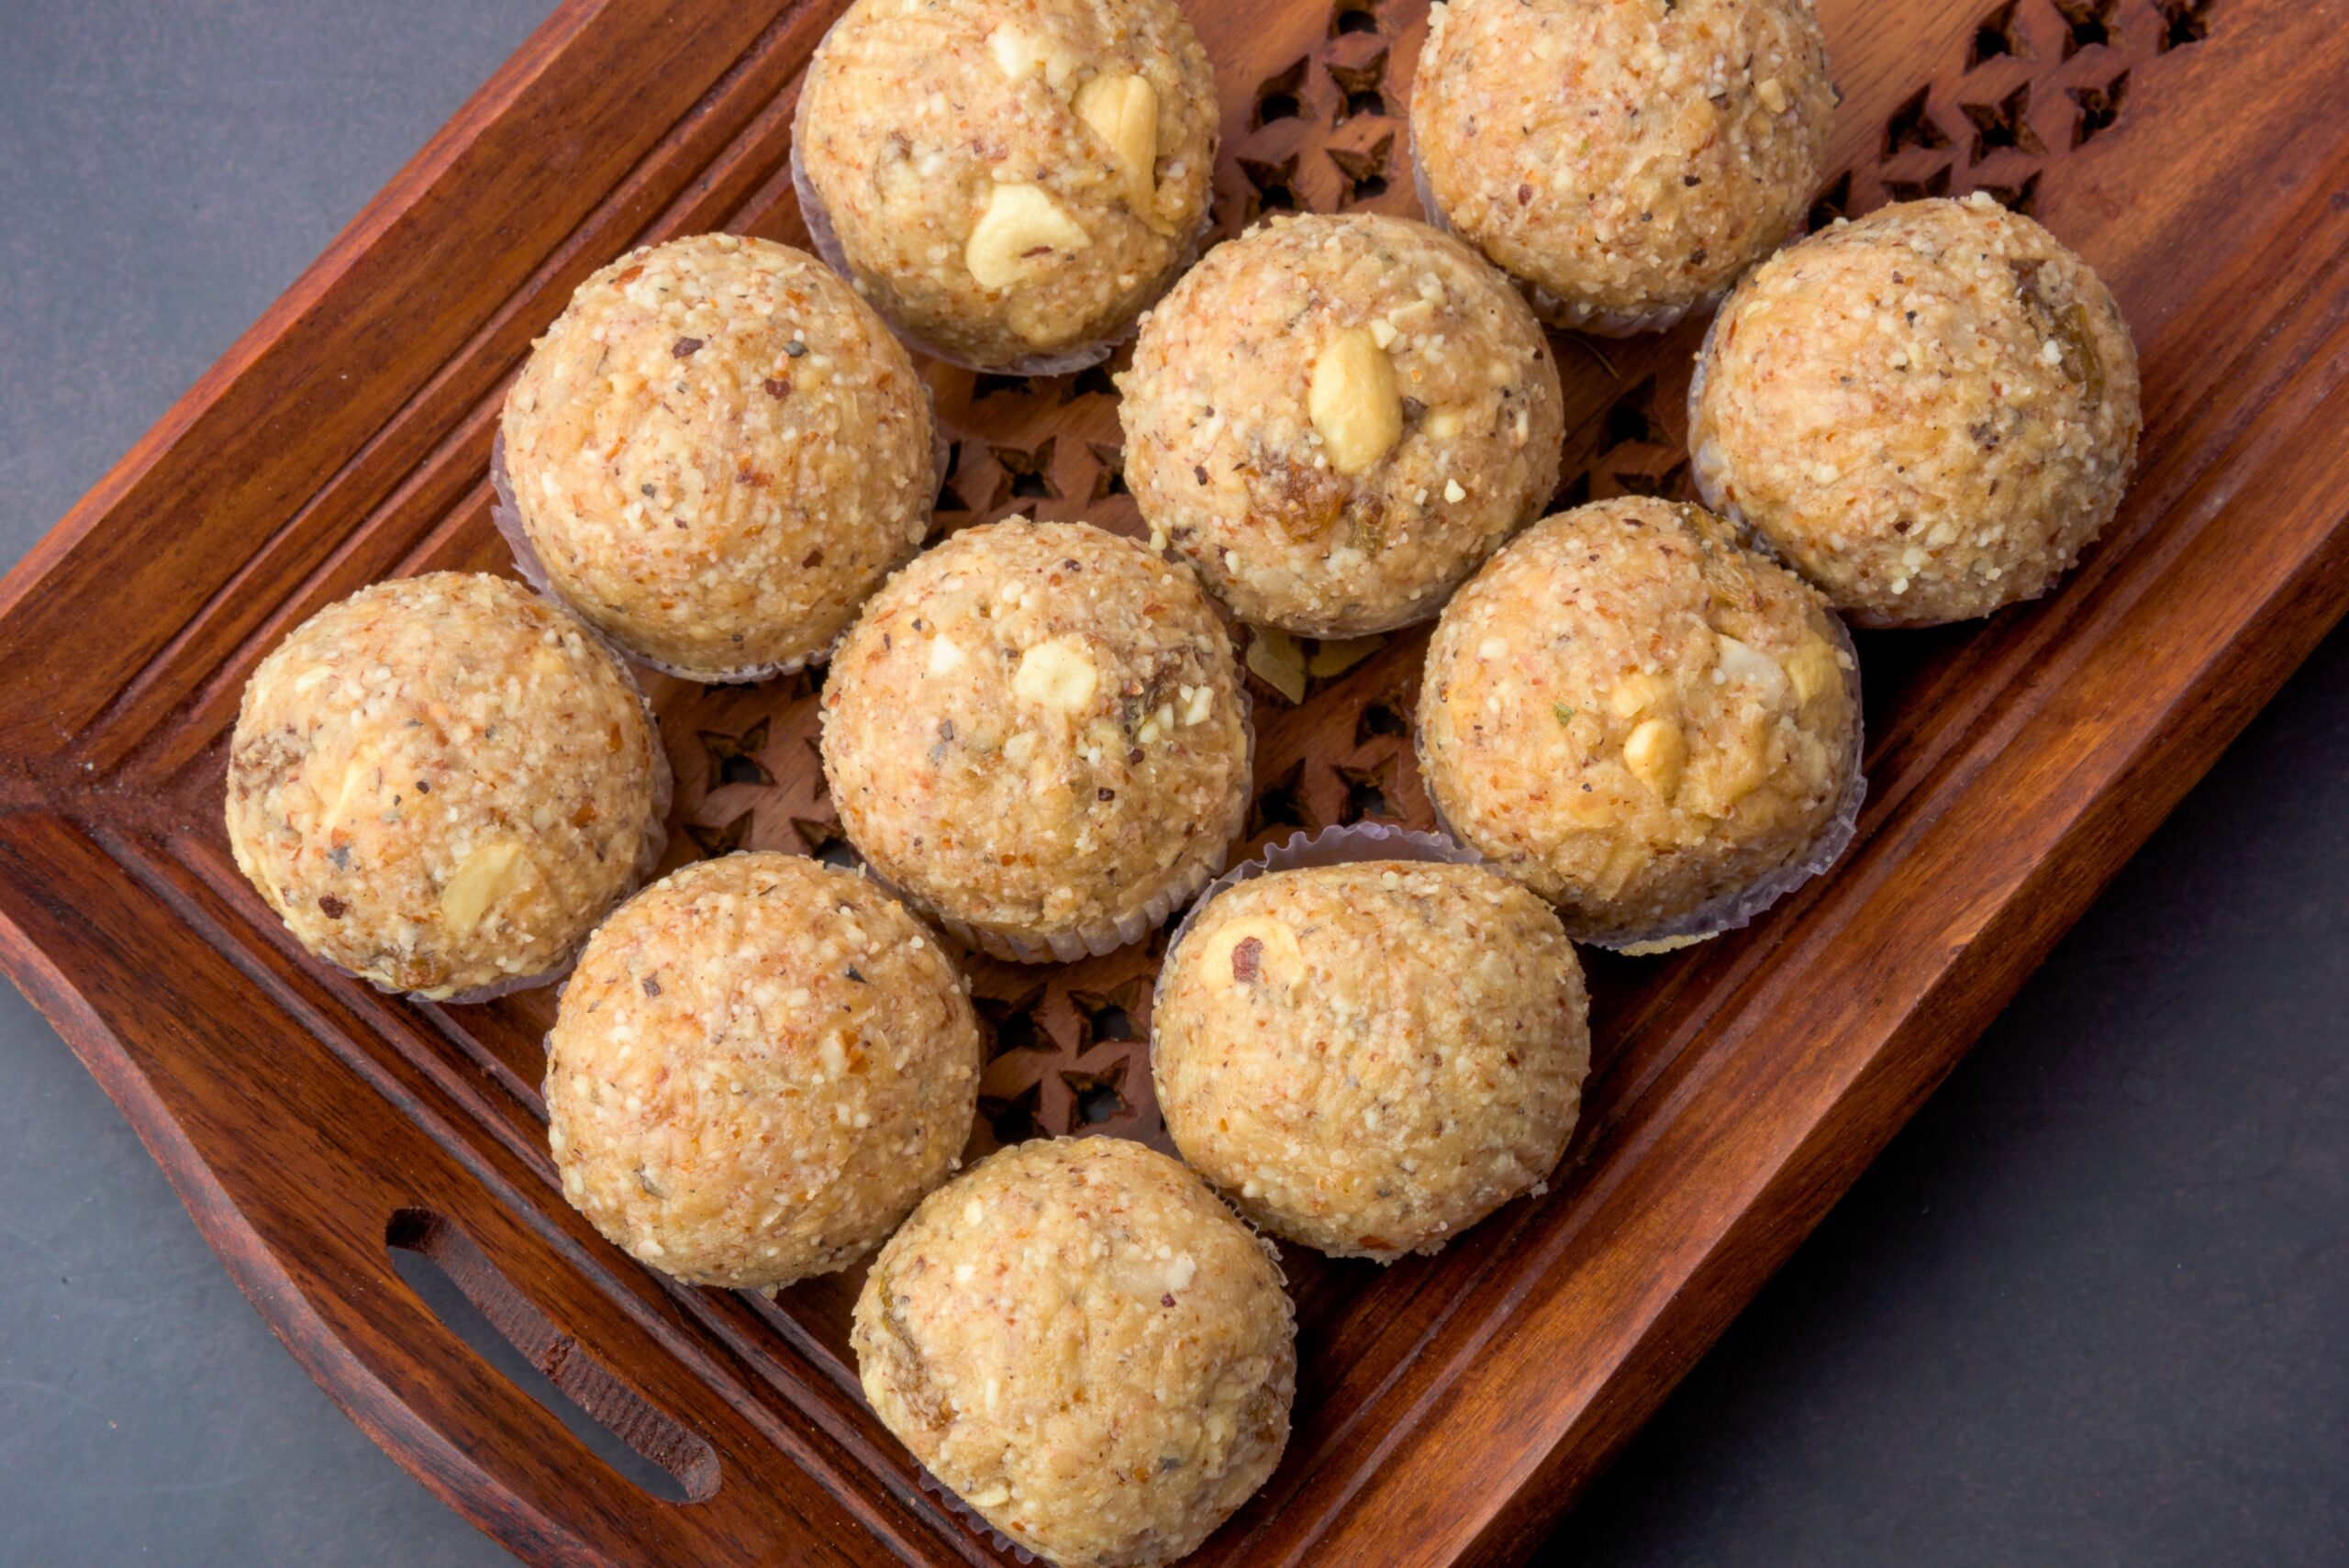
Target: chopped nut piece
1021,226
1123,111
1057,674
1743,661
1655,754
1640,692
1814,671
486,876
1021,55
1354,401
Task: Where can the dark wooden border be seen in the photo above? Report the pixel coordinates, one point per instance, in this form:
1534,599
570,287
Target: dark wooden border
1455,1409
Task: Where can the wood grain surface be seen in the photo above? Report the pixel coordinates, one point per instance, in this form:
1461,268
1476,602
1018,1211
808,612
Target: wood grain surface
2196,153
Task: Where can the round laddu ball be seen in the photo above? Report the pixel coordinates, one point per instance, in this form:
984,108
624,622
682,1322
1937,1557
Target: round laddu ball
1929,413
1038,731
762,1065
1337,419
1086,1346
1010,178
442,783
1638,718
1370,1057
1627,159
715,453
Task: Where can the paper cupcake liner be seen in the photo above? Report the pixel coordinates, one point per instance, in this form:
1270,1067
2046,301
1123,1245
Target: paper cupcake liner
1736,908
1090,941
648,854
967,1513
505,516
827,241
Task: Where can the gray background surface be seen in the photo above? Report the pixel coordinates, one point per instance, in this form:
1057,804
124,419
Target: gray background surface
2091,1307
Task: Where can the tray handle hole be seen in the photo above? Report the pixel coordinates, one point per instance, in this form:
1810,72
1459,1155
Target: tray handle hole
478,1303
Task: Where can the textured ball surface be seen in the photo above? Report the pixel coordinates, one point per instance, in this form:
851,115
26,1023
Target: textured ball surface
1636,716
1037,730
1929,413
717,451
1626,157
1336,419
1370,1057
761,1065
1010,178
441,783
1086,1346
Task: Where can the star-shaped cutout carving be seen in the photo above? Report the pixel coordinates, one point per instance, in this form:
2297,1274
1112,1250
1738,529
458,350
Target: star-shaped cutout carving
1369,793
1272,187
1632,418
2182,22
1281,804
721,839
1912,124
1934,185
2006,123
1025,475
734,759
1364,173
1095,1098
1103,1017
1110,475
2099,108
950,499
1665,485
1012,1023
1013,1119
1997,34
1362,89
826,843
1280,97
2088,24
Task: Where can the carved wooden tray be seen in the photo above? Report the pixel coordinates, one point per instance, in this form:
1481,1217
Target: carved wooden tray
2196,151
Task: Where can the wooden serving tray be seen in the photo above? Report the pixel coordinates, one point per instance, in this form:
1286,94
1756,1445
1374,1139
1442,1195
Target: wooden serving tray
2196,151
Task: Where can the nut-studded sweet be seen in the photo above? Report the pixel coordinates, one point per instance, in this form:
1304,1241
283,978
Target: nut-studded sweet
1929,413
441,783
761,1065
1038,731
1086,1346
717,451
1336,419
1636,716
1628,159
1370,1057
1010,178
